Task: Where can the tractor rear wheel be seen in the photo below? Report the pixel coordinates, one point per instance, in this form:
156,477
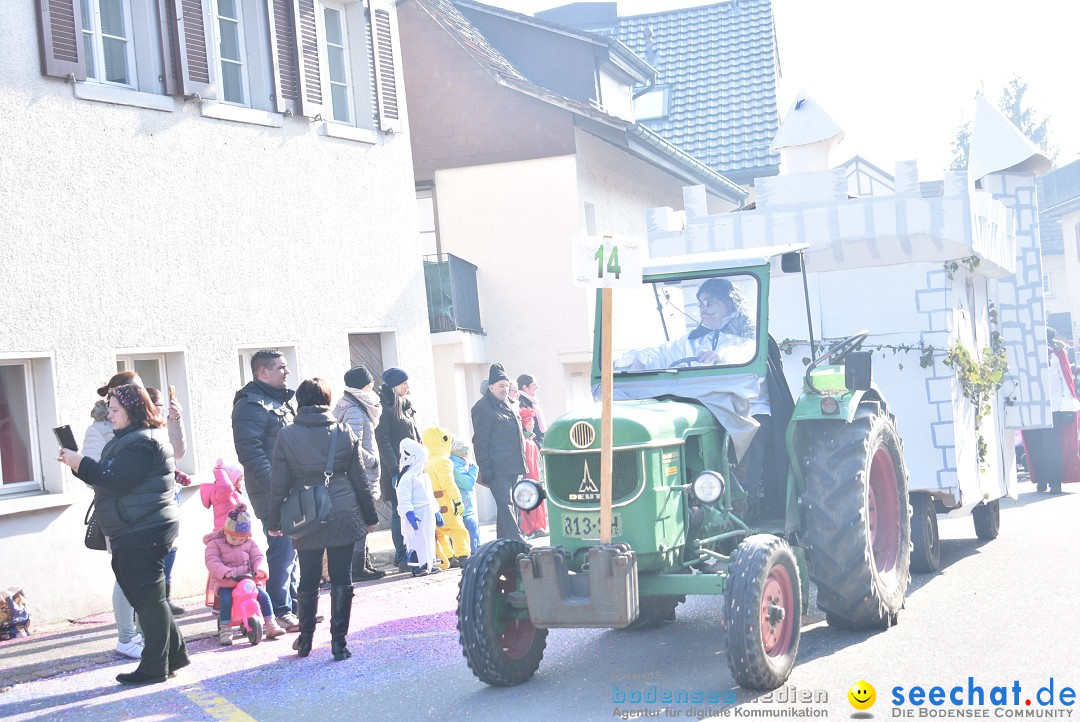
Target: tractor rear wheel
499,642
925,542
858,529
987,518
762,612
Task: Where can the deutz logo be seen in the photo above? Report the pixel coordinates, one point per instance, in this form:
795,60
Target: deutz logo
587,490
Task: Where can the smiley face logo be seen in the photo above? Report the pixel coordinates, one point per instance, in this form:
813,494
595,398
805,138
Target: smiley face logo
862,695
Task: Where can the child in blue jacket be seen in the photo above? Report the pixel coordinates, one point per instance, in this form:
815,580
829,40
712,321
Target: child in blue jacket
465,478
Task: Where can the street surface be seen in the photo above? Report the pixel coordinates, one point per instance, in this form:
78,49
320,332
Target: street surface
998,611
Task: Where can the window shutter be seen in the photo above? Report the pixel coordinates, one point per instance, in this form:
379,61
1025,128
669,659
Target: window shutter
169,47
194,52
60,39
309,75
283,54
383,38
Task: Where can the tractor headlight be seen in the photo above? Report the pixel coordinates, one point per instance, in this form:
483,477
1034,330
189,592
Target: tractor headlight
527,494
708,487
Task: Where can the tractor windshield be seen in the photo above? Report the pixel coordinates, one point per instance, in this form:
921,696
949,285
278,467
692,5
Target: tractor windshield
688,323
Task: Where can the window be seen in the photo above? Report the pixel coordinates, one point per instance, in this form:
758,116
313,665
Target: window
653,104
18,429
1048,289
234,84
337,65
107,42
425,211
346,65
151,369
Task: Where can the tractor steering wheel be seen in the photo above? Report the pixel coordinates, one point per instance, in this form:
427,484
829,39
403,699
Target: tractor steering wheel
688,360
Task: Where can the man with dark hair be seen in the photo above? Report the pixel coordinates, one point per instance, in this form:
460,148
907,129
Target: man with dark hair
260,410
499,449
528,389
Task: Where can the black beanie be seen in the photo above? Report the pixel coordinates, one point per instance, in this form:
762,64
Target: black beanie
394,377
496,374
357,377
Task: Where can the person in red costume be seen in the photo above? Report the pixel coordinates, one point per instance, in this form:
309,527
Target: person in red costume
1053,454
533,523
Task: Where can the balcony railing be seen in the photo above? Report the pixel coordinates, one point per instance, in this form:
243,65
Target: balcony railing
451,294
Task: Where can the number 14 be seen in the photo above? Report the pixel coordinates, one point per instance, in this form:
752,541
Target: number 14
612,263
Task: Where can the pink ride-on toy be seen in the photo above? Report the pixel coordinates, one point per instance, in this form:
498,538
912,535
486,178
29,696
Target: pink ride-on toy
245,609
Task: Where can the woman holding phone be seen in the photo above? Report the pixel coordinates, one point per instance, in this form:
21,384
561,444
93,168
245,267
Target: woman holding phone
129,642
135,504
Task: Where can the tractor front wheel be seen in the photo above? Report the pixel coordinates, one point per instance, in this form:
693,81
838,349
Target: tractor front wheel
762,612
858,528
500,643
987,516
925,542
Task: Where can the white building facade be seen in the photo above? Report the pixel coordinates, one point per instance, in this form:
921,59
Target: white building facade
173,197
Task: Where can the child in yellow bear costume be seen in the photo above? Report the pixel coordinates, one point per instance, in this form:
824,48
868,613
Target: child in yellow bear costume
440,469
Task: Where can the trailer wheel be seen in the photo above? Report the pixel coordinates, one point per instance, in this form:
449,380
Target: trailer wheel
925,542
762,612
654,611
987,518
500,644
858,528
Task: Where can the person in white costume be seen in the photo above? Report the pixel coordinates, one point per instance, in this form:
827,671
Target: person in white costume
417,507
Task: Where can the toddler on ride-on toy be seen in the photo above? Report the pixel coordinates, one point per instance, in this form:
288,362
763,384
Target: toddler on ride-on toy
236,563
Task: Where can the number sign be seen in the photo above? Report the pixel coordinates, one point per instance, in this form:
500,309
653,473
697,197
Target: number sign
607,262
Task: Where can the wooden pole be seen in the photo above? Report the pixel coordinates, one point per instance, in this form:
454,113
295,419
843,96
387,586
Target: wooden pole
605,415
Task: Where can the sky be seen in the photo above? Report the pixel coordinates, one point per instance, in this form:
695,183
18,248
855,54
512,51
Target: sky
900,77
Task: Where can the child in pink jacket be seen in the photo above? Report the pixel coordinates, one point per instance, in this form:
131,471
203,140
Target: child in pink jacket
225,493
232,553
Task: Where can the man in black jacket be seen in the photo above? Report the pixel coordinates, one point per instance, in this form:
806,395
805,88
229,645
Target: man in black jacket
260,410
499,449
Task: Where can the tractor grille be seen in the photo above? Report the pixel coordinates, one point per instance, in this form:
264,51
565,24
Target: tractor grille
569,482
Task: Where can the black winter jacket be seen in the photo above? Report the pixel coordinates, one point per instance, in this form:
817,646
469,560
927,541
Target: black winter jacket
389,434
300,460
259,413
497,440
134,494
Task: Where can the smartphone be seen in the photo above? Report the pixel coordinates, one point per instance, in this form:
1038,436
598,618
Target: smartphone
65,437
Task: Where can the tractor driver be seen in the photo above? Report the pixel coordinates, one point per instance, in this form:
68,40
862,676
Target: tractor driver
726,334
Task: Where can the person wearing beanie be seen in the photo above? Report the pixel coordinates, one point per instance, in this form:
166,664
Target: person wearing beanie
231,553
359,409
398,421
500,449
465,477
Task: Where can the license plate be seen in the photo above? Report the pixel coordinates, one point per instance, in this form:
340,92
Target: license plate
587,526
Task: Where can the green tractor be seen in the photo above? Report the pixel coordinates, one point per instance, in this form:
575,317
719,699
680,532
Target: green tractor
721,484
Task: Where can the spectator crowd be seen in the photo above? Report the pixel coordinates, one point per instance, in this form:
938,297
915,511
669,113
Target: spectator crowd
296,449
